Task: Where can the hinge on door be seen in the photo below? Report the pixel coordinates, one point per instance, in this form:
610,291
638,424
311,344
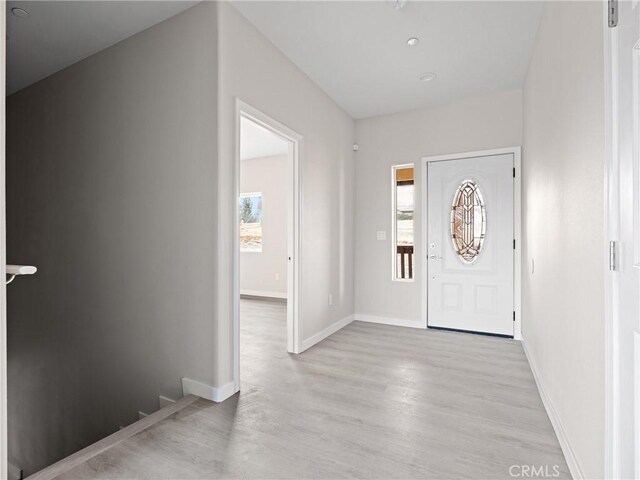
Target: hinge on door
612,7
514,172
514,243
612,256
514,315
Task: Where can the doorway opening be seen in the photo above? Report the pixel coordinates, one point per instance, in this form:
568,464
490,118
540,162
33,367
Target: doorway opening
266,274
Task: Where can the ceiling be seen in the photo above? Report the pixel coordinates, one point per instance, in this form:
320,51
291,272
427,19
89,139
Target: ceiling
257,141
59,33
357,51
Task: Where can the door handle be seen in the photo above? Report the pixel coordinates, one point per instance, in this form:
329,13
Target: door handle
434,257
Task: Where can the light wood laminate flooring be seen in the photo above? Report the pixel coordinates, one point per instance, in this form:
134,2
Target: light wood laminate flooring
371,401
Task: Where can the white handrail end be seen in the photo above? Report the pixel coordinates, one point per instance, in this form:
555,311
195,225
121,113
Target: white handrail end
21,269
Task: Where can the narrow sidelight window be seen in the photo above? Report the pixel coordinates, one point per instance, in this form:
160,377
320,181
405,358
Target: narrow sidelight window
403,214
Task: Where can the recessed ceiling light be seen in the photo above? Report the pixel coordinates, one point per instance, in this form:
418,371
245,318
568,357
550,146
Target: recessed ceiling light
427,77
413,41
397,4
19,12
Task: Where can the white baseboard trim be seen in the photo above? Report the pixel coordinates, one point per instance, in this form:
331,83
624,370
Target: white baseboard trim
398,322
215,394
260,293
330,330
569,454
13,472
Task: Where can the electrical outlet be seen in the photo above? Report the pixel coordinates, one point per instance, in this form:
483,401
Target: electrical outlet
381,235
277,277
330,299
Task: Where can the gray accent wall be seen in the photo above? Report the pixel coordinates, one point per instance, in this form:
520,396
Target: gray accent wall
111,193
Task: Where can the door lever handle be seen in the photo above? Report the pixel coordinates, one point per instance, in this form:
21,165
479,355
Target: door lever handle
434,257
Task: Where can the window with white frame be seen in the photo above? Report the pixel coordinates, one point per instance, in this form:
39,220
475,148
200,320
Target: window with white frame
403,218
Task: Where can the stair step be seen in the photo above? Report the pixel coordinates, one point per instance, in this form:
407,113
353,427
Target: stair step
81,456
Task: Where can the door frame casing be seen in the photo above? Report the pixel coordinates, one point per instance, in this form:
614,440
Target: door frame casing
3,255
294,202
517,226
611,233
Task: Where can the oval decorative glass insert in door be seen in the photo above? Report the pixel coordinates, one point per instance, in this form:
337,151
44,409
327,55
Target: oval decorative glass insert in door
468,221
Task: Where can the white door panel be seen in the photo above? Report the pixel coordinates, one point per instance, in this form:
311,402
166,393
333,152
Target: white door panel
473,295
624,224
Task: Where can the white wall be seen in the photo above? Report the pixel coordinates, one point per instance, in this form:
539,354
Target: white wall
254,70
258,270
467,125
563,182
111,169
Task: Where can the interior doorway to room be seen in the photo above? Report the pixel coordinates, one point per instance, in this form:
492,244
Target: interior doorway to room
267,253
472,242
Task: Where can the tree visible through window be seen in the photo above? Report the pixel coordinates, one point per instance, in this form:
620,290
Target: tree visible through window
251,222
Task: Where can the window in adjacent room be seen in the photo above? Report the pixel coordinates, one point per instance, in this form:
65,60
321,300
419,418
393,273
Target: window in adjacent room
251,222
403,214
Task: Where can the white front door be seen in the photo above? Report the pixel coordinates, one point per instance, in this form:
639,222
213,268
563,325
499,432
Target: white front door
470,244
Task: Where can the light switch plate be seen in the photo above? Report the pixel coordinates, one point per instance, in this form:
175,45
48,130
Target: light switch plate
381,235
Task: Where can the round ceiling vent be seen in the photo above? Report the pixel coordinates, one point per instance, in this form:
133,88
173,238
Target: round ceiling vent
427,77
